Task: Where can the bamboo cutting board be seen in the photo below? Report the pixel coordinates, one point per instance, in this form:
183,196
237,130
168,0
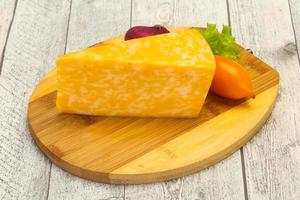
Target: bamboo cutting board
144,150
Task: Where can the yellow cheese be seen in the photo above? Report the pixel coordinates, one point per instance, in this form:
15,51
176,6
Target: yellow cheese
166,75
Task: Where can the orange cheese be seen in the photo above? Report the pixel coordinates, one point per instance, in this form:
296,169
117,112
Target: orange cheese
166,75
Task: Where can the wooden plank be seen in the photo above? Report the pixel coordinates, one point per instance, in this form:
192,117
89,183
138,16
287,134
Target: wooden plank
179,13
95,21
6,17
223,180
272,159
37,36
66,186
90,22
295,14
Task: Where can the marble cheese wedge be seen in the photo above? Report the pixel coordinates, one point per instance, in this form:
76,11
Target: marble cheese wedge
166,75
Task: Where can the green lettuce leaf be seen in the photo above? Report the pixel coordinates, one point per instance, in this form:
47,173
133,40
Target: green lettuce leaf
221,43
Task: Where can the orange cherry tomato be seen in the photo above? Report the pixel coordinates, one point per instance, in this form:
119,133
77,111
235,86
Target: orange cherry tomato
231,80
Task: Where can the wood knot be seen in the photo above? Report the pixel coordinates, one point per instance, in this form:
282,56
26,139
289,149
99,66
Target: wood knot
165,13
290,48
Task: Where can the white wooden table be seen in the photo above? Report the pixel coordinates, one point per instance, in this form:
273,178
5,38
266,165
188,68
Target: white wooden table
34,32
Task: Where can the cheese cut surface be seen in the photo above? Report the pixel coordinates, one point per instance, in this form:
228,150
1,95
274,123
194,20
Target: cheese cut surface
166,75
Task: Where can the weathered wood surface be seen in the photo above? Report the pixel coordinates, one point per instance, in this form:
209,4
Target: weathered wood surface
38,35
272,161
36,38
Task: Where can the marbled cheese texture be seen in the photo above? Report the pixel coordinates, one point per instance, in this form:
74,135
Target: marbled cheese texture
166,75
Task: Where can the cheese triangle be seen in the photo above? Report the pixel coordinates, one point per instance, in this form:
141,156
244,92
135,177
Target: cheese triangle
166,75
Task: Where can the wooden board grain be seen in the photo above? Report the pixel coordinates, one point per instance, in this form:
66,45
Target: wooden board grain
143,150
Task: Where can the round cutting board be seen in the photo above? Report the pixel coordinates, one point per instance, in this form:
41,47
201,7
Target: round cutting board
143,150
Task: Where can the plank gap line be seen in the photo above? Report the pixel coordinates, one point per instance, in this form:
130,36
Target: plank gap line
244,174
7,35
228,13
294,31
68,25
49,179
241,149
131,5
